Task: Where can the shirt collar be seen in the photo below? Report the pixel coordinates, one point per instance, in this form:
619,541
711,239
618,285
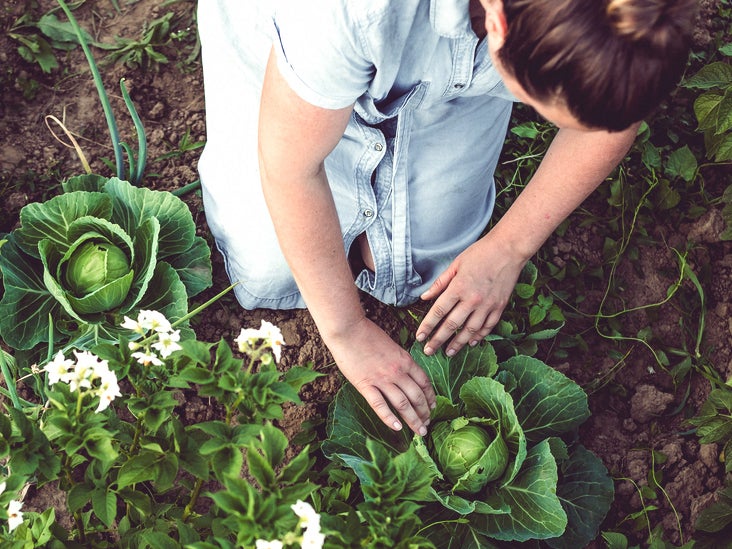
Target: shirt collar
450,18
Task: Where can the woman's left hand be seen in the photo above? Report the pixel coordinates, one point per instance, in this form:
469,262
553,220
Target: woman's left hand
471,295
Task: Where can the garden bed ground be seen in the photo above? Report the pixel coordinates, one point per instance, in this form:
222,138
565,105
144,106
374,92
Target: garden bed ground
636,406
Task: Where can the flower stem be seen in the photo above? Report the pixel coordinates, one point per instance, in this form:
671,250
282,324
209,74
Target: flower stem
194,497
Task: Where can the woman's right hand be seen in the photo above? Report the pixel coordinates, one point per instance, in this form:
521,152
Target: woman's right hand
386,376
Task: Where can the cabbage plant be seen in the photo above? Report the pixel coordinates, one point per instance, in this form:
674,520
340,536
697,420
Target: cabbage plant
81,260
499,452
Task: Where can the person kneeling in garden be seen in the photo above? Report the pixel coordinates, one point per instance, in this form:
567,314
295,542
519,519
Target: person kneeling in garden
371,130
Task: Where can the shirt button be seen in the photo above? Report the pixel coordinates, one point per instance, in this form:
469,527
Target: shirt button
368,213
378,147
459,86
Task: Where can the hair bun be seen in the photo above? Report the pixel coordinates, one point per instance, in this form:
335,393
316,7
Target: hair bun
654,21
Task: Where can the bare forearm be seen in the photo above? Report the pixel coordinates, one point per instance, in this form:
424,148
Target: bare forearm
575,164
309,233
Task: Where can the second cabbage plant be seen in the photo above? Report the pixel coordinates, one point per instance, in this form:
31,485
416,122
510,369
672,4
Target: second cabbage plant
500,451
82,260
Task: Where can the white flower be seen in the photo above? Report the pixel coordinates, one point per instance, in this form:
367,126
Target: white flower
15,516
147,358
3,485
108,390
264,544
167,343
309,519
86,360
57,368
84,371
132,325
153,320
273,336
247,338
312,539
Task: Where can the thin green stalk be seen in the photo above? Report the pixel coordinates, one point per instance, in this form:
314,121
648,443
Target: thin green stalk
187,188
131,160
10,382
194,497
200,308
136,174
108,114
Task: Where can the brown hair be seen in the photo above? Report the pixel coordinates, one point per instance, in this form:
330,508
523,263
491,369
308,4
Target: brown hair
610,61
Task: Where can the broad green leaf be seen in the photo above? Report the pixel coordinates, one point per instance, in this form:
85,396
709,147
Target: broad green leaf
615,540
351,421
297,376
51,220
714,75
260,468
524,291
87,182
724,114
536,512
134,205
145,261
297,468
37,49
527,130
159,540
448,374
273,444
26,304
586,492
227,462
61,31
723,151
706,107
651,156
104,504
78,496
194,267
547,402
715,518
138,468
665,196
682,163
547,333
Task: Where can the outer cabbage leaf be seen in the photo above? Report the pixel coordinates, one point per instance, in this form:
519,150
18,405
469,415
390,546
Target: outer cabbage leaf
194,266
536,512
547,402
351,422
449,374
133,205
586,492
51,220
26,303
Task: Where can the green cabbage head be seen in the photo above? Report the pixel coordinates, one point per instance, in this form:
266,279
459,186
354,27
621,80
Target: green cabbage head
93,254
468,454
497,455
97,269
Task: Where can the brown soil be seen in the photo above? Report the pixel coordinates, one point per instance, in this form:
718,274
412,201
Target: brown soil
636,406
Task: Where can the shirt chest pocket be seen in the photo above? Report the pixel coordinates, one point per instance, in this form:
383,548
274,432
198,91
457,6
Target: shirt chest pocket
375,112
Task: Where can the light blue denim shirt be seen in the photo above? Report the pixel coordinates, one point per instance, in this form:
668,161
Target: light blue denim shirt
414,169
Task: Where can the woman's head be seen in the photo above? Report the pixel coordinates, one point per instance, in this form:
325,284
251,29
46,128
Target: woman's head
609,62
